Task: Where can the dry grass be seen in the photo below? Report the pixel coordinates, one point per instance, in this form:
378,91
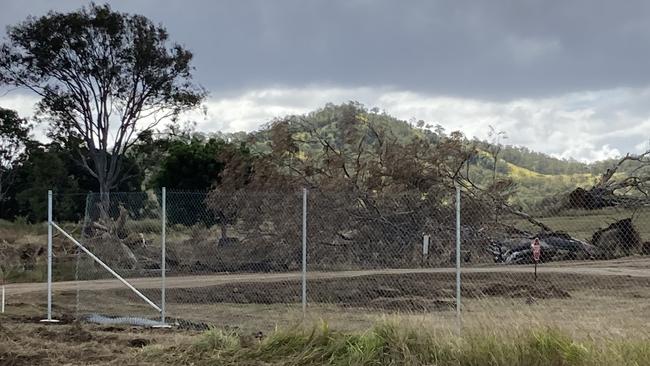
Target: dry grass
397,343
582,330
587,314
393,340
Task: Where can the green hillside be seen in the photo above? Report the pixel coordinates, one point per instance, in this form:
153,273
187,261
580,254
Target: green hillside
531,186
537,175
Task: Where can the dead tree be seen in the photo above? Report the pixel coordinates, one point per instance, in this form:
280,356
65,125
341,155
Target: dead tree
610,191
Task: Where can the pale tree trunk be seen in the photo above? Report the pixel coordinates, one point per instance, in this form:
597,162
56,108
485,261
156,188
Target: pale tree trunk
225,240
224,231
104,202
494,181
101,173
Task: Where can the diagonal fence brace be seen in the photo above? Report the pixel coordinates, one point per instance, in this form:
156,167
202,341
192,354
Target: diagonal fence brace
94,257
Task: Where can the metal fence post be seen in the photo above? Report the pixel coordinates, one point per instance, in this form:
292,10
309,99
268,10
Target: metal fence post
163,264
458,292
304,252
49,259
49,255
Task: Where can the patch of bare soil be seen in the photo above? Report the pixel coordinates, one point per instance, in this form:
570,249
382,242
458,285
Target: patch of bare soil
525,290
410,292
138,342
404,292
62,318
408,304
74,333
25,343
11,358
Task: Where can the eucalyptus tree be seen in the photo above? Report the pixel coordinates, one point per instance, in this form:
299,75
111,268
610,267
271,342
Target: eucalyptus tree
103,78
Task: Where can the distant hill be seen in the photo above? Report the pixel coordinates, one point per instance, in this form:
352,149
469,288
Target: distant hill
542,163
537,175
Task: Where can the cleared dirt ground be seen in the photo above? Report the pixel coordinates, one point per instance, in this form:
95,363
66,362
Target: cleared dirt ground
24,341
632,267
587,300
584,297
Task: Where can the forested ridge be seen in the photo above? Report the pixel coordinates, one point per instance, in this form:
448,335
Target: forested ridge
186,159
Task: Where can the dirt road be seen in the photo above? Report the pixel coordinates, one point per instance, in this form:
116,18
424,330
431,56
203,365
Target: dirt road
631,267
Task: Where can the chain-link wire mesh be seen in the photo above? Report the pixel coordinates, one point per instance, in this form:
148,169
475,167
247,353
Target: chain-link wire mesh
592,272
123,231
235,258
68,211
368,254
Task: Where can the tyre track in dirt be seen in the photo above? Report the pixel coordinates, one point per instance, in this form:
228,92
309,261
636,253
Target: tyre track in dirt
632,267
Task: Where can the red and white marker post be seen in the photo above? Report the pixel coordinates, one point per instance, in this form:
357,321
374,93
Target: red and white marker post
537,253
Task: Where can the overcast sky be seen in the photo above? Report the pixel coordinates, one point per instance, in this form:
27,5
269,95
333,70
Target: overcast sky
569,78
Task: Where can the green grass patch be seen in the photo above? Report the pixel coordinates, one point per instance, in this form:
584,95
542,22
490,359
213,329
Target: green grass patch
395,344
582,224
61,271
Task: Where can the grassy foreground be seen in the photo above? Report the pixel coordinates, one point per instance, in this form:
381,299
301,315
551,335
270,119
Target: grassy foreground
394,344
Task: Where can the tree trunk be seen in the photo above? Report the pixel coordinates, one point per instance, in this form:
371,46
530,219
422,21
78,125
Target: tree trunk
225,240
104,202
224,231
494,180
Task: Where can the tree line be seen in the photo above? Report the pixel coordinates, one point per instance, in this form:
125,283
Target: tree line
183,160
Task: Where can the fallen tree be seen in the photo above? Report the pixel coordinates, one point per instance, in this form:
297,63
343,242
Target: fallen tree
610,190
616,240
555,246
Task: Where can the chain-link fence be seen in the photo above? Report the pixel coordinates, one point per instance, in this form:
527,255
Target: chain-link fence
236,258
124,231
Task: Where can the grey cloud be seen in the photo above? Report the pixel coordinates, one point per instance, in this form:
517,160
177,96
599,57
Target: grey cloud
484,49
563,77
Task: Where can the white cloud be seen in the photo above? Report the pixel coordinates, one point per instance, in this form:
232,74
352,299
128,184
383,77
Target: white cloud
642,147
250,110
23,104
587,126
